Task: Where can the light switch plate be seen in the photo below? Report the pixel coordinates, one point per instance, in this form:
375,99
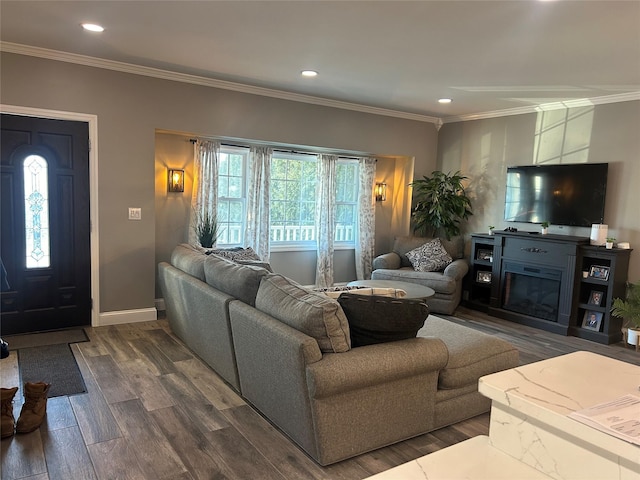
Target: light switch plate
135,213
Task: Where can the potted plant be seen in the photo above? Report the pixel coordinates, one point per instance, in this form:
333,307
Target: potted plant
441,203
629,310
206,229
545,227
609,242
491,227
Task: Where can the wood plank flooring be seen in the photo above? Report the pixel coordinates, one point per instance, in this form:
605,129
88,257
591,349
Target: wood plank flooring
154,410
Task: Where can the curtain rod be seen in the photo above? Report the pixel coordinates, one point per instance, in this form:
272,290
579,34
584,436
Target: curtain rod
280,150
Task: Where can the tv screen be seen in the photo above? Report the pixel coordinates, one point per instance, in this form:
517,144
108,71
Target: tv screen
559,194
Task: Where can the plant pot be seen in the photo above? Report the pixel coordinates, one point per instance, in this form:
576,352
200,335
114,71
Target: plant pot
633,337
491,231
545,231
609,245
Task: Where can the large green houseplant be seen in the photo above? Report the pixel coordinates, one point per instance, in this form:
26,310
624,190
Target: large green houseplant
206,229
629,310
441,203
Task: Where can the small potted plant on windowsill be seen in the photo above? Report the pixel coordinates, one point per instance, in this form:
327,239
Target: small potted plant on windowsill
491,227
609,242
206,229
545,227
629,310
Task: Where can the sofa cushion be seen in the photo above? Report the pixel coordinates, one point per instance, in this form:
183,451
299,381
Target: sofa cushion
311,313
189,260
375,319
430,257
239,281
472,354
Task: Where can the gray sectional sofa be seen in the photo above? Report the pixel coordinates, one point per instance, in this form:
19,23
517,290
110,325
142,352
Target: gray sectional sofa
286,350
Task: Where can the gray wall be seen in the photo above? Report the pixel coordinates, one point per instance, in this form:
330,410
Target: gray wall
131,108
482,149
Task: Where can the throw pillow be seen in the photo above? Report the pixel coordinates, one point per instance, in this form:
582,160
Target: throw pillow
374,319
311,313
429,257
235,254
335,292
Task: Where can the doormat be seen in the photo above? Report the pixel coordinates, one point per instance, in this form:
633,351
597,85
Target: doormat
54,364
17,342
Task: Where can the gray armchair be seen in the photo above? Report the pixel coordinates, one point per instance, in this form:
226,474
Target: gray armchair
446,283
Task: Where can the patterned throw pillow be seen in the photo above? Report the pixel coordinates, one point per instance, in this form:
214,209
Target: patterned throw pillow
335,292
235,254
429,257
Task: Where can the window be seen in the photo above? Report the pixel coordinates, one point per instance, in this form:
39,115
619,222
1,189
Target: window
36,212
293,198
346,189
294,181
232,187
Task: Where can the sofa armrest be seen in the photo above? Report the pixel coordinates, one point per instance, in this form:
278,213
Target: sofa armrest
457,269
389,260
378,364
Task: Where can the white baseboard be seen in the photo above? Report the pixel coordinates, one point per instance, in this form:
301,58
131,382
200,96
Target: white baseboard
127,316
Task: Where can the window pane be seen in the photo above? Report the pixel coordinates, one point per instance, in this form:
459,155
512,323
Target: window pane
232,168
36,210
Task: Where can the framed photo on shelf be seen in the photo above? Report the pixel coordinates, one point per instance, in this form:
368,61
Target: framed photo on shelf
483,277
592,320
599,272
595,297
485,255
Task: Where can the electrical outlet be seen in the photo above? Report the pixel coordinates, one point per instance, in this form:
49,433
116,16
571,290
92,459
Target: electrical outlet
135,213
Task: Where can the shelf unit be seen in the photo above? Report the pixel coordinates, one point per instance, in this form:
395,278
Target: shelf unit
477,290
602,276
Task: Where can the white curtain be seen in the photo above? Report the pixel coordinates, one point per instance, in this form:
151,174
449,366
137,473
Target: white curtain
365,243
204,198
325,219
258,224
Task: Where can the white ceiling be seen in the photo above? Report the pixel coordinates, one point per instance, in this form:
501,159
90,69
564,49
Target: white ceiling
488,56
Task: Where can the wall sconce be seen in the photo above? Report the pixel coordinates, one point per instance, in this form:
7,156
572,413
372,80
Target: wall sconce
380,191
176,180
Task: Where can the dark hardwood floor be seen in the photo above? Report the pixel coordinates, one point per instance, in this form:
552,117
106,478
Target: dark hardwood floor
155,411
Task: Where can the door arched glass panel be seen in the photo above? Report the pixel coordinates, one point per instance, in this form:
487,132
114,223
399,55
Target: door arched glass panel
36,212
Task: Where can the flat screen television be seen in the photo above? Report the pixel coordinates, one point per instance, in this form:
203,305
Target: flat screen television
559,194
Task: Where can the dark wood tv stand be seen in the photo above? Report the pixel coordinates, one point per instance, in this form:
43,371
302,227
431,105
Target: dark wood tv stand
537,280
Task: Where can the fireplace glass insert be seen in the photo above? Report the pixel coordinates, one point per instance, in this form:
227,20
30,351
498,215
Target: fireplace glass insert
532,291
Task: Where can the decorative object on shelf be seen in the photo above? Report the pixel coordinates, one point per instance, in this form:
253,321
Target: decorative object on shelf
599,272
207,229
610,241
175,180
629,310
592,320
595,297
545,227
485,255
491,227
598,234
624,245
441,203
380,192
483,277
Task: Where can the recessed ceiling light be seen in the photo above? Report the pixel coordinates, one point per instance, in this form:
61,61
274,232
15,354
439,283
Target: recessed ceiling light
92,27
445,100
309,73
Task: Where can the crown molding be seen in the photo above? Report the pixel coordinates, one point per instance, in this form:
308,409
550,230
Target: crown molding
296,97
575,103
204,81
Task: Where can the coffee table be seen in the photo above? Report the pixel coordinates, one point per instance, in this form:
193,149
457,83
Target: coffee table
413,290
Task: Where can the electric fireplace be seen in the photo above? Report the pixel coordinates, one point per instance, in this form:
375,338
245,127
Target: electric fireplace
531,290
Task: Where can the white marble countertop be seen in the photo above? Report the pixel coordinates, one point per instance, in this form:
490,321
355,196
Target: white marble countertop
472,459
549,390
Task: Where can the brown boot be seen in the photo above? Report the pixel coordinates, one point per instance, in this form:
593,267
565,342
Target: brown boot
8,423
34,408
